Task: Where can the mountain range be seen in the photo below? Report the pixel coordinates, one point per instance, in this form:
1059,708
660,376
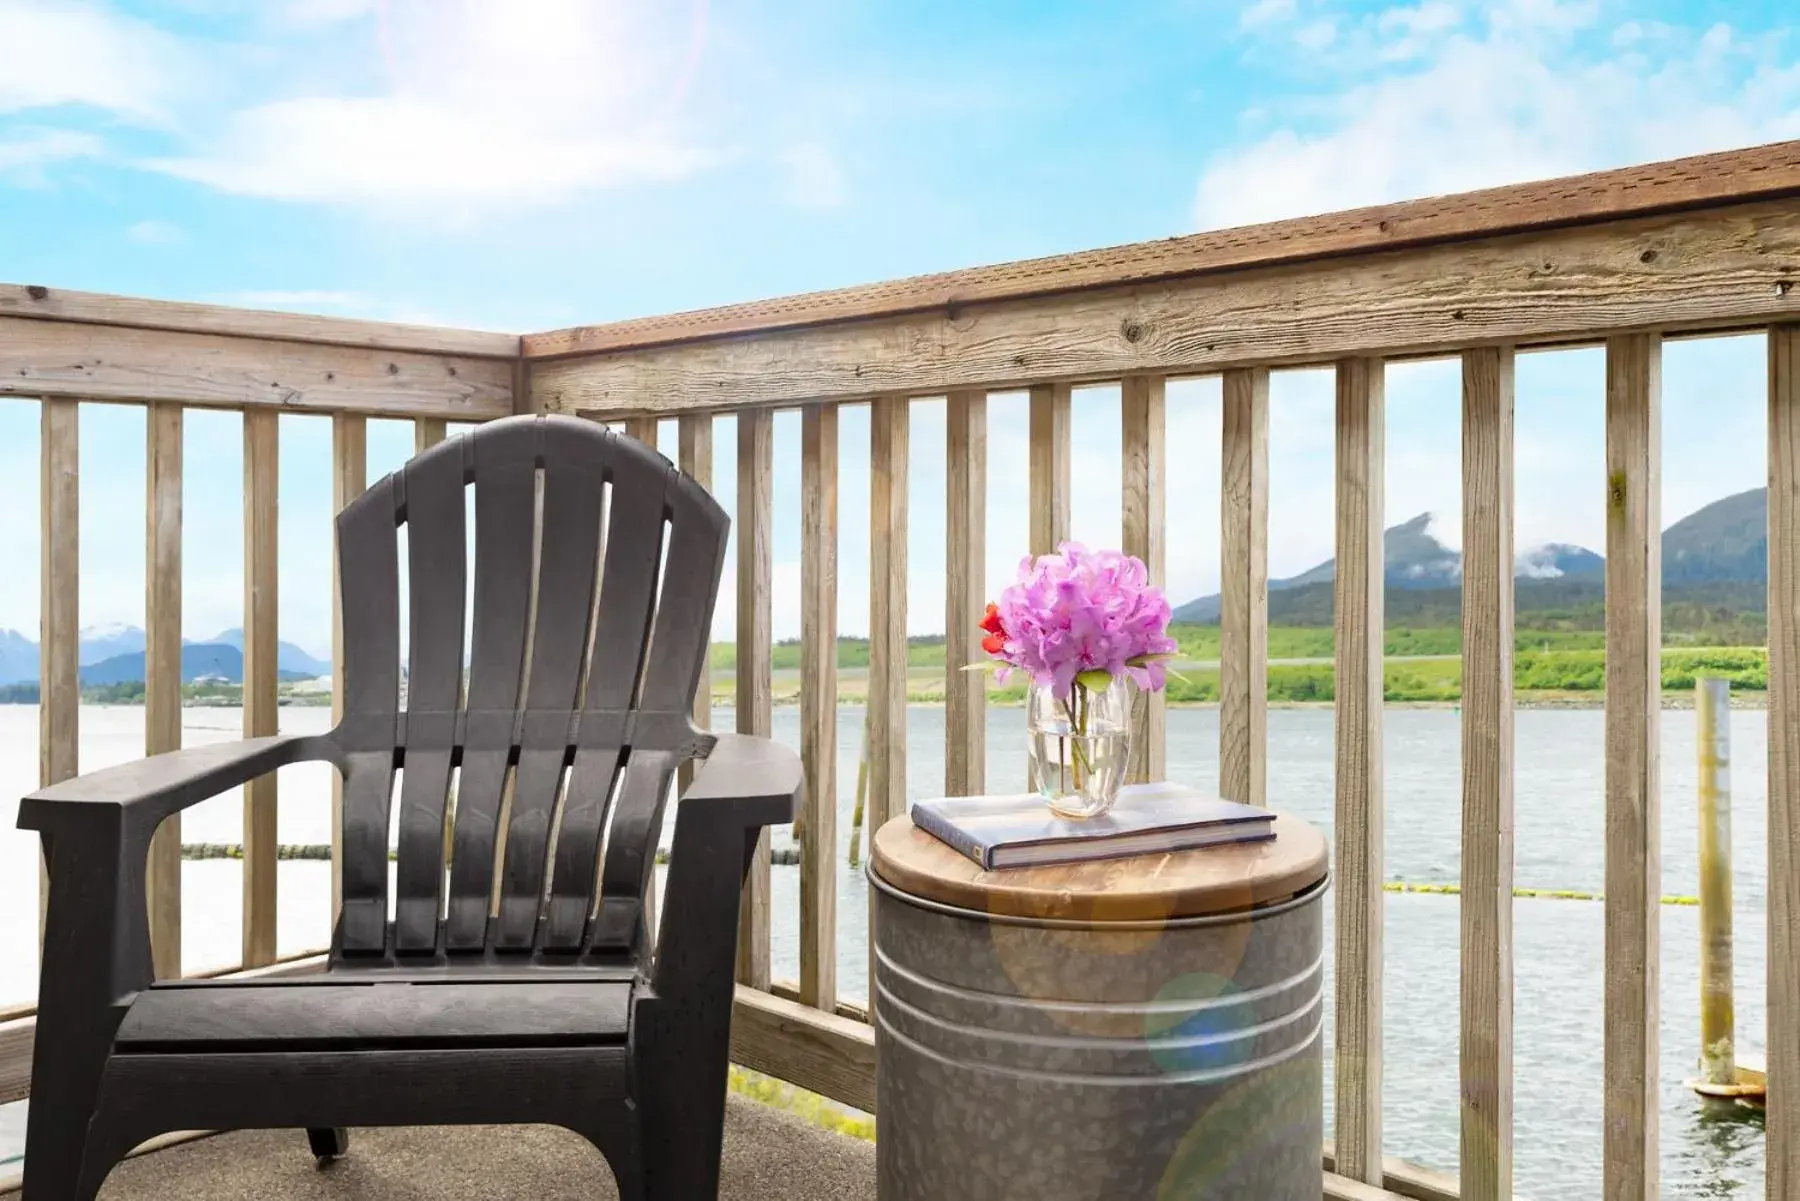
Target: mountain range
1713,555
114,654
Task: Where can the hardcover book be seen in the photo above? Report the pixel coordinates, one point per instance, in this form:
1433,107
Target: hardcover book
1148,819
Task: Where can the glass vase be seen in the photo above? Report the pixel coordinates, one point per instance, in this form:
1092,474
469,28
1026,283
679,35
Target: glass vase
1080,746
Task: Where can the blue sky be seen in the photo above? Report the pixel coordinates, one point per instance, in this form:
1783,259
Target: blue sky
527,164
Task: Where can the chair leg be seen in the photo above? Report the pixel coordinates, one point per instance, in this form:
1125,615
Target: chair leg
682,1095
615,1134
328,1142
66,1071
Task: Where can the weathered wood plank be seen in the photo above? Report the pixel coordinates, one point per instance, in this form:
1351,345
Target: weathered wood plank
695,448
1707,180
1144,530
1244,589
965,540
58,358
262,462
755,524
349,479
132,312
1357,822
1633,715
427,433
643,428
789,990
162,667
1783,1117
15,1058
1050,442
1487,768
1405,1179
822,1052
1345,1188
1684,272
59,610
818,703
890,422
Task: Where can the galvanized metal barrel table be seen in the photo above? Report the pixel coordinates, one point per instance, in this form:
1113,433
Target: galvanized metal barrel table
1121,1029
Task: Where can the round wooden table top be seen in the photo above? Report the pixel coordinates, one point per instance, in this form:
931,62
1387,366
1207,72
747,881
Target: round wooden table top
1212,880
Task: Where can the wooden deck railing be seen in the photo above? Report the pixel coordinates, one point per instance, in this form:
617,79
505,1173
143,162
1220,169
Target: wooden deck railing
1624,260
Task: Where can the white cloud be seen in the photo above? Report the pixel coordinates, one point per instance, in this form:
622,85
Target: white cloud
814,178
1520,99
1407,33
318,14
154,233
482,106
62,52
36,149
1266,12
1316,35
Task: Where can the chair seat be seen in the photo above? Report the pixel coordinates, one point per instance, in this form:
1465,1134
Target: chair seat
320,1015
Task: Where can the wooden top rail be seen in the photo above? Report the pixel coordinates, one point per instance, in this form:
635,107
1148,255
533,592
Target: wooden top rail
86,346
129,312
1703,245
1710,180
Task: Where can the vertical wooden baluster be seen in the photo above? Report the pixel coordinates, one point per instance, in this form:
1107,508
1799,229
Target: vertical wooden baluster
818,704
755,525
1141,410
645,428
889,427
1487,768
1050,446
965,692
1783,1116
1244,589
427,433
59,640
349,479
262,458
1633,715
1361,438
162,667
1049,467
695,431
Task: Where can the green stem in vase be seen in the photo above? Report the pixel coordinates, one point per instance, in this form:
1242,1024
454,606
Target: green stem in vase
1076,707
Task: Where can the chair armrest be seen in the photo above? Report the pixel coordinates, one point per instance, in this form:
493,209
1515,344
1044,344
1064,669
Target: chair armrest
144,792
746,783
97,829
761,780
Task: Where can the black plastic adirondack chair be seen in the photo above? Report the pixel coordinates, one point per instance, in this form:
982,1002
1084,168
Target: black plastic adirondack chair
551,1010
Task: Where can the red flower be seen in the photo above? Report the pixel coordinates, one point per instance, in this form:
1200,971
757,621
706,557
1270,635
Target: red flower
995,642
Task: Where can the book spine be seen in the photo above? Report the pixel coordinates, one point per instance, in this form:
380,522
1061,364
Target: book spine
933,823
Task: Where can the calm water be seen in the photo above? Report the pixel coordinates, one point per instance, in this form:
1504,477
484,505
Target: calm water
1559,944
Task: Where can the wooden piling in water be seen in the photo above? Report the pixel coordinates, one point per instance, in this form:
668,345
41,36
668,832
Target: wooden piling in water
862,792
1712,714
1719,1073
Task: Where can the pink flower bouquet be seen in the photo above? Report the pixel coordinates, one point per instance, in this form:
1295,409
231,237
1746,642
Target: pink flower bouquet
1079,618
1080,623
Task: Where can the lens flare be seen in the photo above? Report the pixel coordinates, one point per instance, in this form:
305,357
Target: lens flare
667,106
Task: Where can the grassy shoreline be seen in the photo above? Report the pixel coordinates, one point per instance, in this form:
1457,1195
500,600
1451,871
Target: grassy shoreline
1551,669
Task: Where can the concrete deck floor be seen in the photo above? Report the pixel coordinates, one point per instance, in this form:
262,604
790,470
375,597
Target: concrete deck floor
769,1154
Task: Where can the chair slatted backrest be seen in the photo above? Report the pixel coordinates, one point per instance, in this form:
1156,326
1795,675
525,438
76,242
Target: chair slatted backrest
596,568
